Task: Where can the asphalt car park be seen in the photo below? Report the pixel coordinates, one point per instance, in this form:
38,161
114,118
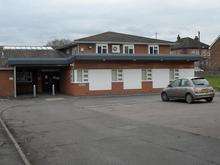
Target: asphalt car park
116,130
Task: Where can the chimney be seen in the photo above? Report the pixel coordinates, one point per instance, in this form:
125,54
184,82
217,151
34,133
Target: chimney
196,38
199,35
178,37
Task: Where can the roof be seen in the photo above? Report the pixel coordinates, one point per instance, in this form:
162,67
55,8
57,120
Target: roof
216,40
28,53
120,38
189,43
100,57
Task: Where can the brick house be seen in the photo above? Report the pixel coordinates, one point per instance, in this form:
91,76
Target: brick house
191,46
106,63
215,55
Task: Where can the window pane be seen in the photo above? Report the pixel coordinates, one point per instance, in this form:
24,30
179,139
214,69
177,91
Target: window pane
120,75
114,74
144,74
104,50
131,51
99,49
171,74
126,49
151,50
176,83
79,75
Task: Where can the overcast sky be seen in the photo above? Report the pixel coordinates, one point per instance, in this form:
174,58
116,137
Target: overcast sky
34,22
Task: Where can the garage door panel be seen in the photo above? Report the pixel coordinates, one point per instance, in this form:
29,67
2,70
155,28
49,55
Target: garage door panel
100,79
132,78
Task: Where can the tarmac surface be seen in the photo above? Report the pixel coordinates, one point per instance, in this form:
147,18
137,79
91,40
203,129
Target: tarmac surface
116,130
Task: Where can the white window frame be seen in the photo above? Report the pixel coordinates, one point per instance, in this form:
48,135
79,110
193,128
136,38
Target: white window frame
119,75
175,75
129,47
102,45
154,46
84,74
148,74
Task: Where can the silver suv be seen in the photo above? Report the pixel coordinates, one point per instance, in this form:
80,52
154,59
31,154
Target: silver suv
189,90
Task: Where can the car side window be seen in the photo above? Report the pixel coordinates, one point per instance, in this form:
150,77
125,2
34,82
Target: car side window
175,83
185,83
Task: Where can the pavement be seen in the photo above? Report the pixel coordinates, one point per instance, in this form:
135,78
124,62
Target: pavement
8,153
129,130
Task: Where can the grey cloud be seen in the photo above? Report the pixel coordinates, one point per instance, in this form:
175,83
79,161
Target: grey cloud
37,21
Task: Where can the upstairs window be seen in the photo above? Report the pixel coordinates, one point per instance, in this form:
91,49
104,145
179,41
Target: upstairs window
128,49
146,74
102,48
117,75
80,76
174,74
153,49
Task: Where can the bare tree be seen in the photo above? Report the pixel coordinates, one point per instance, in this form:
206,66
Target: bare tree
58,43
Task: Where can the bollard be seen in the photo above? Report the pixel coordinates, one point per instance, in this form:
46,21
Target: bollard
34,91
53,90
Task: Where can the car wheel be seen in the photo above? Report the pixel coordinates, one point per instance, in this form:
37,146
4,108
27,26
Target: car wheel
209,100
189,98
164,97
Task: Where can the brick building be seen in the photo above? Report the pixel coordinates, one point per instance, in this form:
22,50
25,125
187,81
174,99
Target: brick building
215,55
191,46
106,63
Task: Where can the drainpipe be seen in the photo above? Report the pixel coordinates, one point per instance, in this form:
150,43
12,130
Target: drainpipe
15,84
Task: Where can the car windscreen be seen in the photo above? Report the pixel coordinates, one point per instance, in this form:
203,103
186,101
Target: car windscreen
200,82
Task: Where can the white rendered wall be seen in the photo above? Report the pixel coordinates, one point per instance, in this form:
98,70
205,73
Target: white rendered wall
160,78
100,79
132,78
186,73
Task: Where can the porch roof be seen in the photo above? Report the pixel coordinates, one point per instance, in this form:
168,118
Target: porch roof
102,57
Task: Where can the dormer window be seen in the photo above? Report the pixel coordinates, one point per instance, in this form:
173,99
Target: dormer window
153,49
128,49
101,48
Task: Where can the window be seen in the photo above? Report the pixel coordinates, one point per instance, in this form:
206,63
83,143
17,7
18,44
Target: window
117,75
128,49
176,83
153,49
24,76
80,76
102,48
146,74
174,74
185,83
115,48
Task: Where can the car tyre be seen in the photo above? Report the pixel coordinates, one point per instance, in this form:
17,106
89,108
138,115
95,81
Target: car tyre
189,98
164,97
209,100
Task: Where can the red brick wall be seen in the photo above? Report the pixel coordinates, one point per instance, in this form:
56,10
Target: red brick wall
80,89
131,65
215,56
6,85
139,48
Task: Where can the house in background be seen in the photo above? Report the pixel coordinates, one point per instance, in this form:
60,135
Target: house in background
215,55
102,64
191,46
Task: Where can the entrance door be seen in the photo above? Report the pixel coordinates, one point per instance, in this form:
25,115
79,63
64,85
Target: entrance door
48,79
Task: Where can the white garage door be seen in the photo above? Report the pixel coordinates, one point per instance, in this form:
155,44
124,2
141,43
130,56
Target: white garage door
160,78
186,73
100,79
132,78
